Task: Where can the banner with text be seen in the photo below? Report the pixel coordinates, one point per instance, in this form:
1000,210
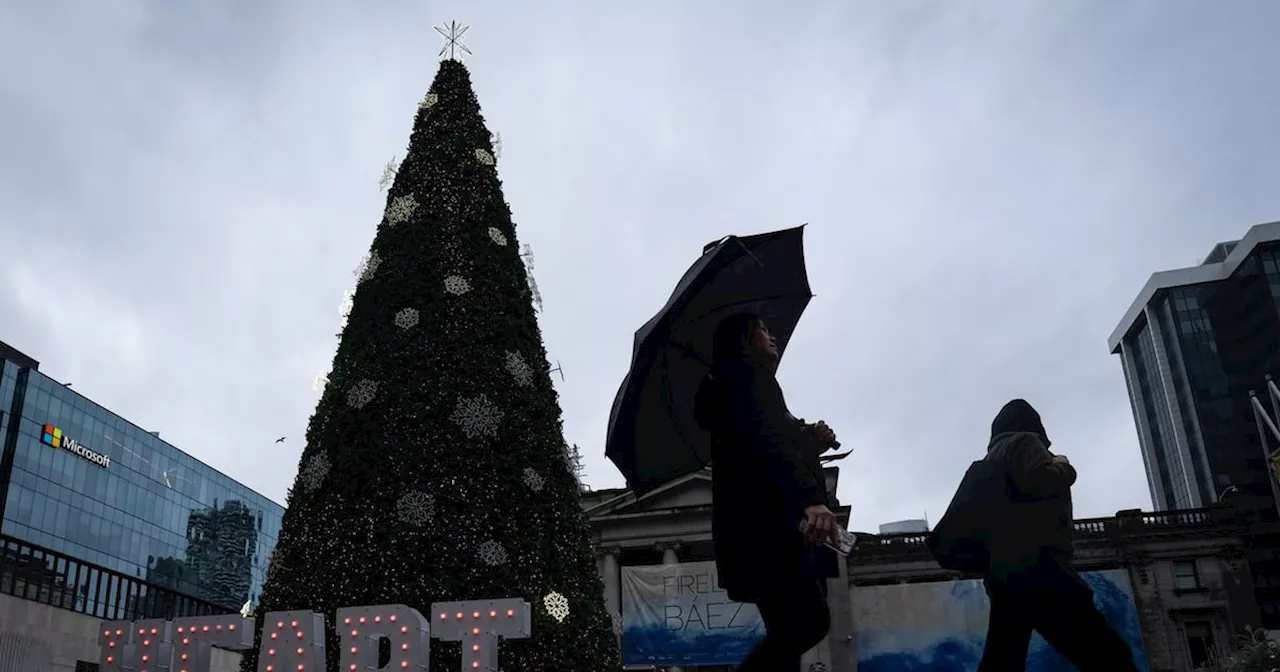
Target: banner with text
677,615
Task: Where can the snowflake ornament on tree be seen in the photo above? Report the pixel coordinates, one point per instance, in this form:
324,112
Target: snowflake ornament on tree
388,174
314,472
400,209
533,479
483,156
456,285
519,369
497,237
428,101
360,394
416,508
492,553
344,310
321,380
477,416
407,318
368,266
557,605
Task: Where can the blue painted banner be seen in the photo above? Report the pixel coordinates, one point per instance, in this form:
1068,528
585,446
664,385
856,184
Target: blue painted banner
942,626
677,615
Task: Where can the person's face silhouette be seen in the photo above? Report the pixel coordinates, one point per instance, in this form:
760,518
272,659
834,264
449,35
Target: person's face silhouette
762,344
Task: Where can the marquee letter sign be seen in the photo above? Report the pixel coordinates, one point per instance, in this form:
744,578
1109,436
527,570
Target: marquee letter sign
362,627
293,641
478,625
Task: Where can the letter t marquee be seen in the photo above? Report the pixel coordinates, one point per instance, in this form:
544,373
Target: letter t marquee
478,624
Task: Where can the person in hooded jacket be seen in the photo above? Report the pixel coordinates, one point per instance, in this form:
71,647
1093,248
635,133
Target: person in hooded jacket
1030,581
766,482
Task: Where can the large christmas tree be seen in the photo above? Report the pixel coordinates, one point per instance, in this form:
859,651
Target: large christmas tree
435,467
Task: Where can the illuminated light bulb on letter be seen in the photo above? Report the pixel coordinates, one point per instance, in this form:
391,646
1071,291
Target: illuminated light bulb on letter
410,641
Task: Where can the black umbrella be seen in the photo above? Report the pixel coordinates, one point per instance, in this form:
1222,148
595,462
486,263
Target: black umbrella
653,436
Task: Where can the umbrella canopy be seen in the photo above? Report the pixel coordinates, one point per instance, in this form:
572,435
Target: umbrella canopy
653,436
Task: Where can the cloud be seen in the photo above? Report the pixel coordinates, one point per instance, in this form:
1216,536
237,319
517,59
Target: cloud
986,191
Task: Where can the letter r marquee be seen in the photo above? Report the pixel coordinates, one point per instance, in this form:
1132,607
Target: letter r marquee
477,625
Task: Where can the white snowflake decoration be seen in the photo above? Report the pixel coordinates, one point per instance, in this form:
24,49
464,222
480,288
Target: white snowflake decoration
348,302
361,394
519,369
368,266
321,380
428,101
477,416
407,318
400,208
314,472
533,479
483,156
416,508
492,553
496,236
497,145
456,284
557,605
388,174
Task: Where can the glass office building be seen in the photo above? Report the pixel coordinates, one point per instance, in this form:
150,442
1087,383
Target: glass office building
1193,345
88,488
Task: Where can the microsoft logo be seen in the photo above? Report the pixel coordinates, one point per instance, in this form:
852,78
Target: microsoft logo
52,436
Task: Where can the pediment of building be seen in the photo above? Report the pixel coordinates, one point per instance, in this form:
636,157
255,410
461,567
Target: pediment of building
693,490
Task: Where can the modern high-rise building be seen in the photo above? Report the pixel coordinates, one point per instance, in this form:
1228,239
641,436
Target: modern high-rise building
103,520
1194,344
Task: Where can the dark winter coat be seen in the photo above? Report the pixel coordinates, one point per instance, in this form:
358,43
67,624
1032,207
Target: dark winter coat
765,472
1038,523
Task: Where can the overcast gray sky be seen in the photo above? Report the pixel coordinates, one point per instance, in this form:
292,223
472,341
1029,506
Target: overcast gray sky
186,188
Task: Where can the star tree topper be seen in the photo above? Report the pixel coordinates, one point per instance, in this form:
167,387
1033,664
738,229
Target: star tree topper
452,33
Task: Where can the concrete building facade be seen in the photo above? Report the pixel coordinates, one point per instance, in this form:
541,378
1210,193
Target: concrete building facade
1192,585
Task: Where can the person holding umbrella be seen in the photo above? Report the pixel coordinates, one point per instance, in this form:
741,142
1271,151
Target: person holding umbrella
771,510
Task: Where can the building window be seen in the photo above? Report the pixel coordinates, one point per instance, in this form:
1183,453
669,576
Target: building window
1199,642
1185,576
82,666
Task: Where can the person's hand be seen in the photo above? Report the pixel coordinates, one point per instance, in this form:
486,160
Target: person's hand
823,434
819,524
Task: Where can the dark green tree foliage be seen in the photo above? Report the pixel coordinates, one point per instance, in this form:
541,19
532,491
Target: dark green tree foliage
435,467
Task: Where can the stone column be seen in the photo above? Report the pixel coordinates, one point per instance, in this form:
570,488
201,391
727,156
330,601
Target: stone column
611,575
671,556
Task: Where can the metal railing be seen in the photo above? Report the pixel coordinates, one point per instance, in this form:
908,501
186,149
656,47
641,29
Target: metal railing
49,577
1125,524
